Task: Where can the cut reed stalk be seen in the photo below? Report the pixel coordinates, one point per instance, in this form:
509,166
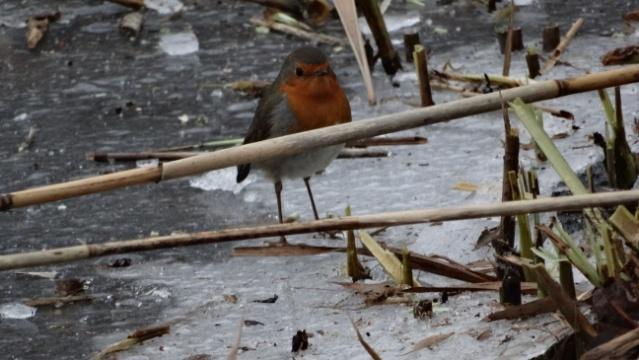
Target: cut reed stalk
304,141
86,251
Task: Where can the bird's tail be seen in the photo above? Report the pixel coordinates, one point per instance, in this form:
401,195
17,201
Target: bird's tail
242,172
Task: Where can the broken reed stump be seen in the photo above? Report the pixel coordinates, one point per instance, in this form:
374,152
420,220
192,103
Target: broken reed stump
551,37
332,135
410,41
532,60
87,251
491,6
421,66
131,24
511,163
516,42
510,290
375,20
508,48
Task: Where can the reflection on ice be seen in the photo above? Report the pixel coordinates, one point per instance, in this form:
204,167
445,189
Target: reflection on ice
176,44
16,311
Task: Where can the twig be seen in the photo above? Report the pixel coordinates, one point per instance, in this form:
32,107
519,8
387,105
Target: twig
615,348
86,251
291,30
529,288
564,114
554,56
137,337
133,4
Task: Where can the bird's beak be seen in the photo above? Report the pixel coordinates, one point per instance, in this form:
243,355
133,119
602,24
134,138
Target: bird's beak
322,72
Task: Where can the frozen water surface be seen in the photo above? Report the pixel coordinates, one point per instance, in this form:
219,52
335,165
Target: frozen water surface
87,88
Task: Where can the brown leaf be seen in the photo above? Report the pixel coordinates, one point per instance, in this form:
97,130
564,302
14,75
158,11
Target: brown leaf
229,298
626,55
429,342
631,15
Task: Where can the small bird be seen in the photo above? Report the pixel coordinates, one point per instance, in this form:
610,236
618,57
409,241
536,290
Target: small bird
305,95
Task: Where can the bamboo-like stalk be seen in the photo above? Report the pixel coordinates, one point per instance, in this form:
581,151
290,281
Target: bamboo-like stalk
79,252
304,141
563,44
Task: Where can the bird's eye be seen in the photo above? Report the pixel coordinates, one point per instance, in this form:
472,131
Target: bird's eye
299,71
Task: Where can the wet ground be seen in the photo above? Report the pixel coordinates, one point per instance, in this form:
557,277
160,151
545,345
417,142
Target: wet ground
88,88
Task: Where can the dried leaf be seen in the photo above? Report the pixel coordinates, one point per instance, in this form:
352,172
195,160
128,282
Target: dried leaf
367,347
348,16
386,258
429,342
135,338
620,56
231,299
631,15
465,186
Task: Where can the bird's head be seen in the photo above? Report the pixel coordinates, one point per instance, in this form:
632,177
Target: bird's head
307,72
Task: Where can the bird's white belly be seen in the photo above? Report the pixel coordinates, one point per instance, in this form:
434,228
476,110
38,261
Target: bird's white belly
301,165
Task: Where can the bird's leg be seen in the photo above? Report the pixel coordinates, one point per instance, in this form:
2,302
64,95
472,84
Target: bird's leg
278,194
331,234
310,195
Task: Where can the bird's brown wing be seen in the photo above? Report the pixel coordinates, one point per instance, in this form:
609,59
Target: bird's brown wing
260,128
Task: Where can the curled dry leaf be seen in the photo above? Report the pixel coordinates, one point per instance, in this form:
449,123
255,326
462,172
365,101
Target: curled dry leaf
625,55
631,15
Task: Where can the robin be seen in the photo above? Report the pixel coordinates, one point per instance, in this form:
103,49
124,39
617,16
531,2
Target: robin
306,95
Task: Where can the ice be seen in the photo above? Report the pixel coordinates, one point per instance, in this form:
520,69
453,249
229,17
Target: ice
181,43
164,7
20,117
393,22
223,179
16,311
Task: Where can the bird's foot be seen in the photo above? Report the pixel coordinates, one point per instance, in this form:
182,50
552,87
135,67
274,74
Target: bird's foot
279,243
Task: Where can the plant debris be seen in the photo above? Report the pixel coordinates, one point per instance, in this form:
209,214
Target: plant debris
423,309
37,27
430,342
369,349
300,341
135,338
270,300
620,56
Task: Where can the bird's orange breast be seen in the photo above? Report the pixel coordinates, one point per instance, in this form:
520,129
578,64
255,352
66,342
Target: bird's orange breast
316,102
